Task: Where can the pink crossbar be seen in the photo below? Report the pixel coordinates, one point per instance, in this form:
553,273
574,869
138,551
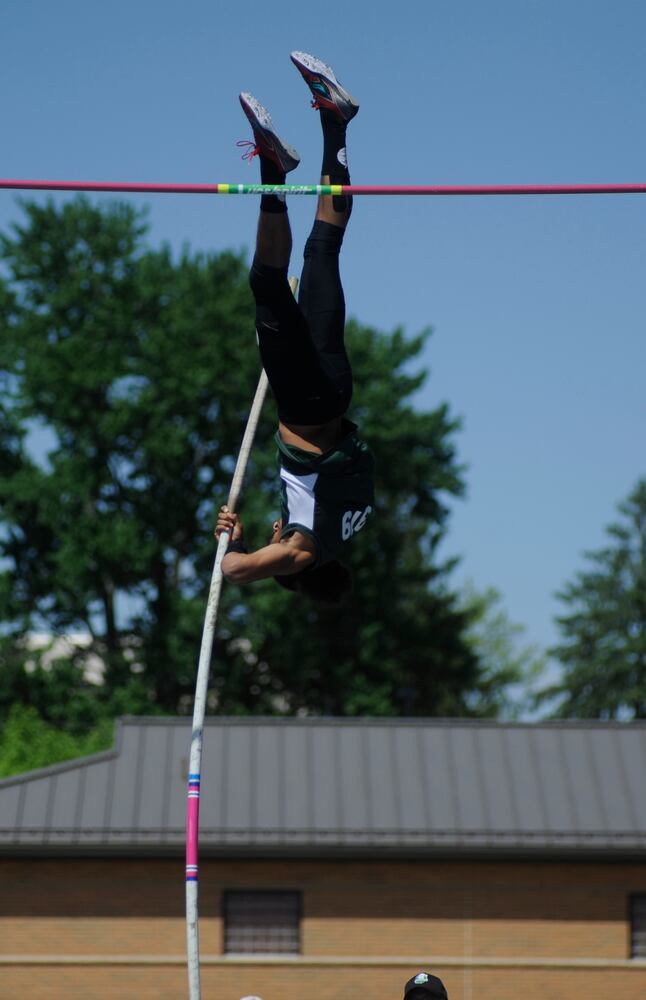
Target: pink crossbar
354,189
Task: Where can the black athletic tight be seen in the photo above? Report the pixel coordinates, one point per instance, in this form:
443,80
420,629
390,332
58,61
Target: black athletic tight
301,343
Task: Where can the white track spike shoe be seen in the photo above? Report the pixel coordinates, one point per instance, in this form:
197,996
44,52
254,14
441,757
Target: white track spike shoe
327,92
267,142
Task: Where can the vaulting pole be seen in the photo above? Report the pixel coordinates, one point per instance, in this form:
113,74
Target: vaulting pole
326,189
201,687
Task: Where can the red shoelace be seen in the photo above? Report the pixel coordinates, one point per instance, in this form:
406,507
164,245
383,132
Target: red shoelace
251,151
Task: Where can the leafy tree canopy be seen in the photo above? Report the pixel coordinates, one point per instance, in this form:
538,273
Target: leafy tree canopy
603,632
510,666
28,742
142,368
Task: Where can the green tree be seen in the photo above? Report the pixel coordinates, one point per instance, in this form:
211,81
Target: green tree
27,742
142,368
510,667
603,647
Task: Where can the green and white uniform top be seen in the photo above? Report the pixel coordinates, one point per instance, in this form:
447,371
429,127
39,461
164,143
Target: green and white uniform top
330,496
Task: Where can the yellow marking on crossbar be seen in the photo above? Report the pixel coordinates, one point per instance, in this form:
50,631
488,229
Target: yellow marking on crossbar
223,188
337,188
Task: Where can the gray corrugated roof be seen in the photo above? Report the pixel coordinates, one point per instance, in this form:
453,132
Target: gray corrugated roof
342,785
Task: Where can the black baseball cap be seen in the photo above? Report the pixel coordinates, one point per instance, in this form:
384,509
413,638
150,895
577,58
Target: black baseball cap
432,986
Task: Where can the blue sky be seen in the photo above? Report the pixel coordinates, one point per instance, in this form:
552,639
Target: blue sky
538,305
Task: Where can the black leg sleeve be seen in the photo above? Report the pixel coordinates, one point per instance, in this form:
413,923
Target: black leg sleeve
322,301
303,391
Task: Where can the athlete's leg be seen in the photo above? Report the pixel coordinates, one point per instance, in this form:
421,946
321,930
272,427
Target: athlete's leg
321,292
299,384
322,300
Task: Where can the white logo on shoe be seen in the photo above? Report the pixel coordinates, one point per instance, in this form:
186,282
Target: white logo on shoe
342,157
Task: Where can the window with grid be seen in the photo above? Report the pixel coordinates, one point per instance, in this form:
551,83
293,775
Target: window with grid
638,926
259,922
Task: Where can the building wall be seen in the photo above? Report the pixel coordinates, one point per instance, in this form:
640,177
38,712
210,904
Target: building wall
492,930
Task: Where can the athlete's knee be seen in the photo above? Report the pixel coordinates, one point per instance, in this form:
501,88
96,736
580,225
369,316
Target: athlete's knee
268,284
325,239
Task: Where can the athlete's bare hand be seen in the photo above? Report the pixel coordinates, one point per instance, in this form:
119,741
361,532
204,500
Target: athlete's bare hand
229,522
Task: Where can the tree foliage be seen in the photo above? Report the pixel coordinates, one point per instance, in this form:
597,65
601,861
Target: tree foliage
28,742
141,367
509,665
603,645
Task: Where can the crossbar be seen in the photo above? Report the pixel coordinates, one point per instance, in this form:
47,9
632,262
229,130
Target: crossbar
439,190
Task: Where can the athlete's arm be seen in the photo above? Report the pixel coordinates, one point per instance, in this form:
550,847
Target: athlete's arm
283,557
279,559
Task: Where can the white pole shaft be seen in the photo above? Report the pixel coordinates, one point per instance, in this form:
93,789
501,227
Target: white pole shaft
201,688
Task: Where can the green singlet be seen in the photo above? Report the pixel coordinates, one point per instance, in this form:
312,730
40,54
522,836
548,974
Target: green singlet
330,496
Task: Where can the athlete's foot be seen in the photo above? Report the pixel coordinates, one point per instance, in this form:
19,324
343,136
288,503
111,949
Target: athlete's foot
326,90
267,141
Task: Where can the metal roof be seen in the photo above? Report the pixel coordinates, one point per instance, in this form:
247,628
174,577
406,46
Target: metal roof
343,786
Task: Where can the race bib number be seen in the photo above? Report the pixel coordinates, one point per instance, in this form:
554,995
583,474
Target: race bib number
353,521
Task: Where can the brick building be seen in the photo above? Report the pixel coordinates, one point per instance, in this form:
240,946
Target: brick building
338,858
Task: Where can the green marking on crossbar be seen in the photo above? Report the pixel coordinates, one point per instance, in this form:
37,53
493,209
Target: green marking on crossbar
314,189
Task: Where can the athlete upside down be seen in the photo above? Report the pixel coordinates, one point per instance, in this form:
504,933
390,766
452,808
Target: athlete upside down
326,471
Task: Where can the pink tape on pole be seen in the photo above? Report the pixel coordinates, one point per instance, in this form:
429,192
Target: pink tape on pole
192,827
